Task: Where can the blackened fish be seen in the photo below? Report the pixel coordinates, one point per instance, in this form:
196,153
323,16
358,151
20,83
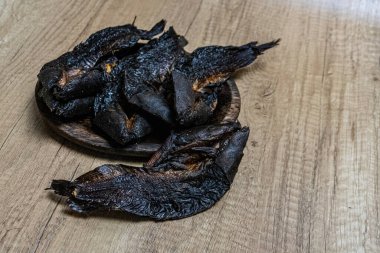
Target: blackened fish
64,110
148,69
111,40
72,75
181,187
196,77
110,117
191,139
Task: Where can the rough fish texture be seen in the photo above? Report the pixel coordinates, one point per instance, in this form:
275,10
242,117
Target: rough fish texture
197,76
69,72
190,179
69,110
129,89
148,69
155,82
113,121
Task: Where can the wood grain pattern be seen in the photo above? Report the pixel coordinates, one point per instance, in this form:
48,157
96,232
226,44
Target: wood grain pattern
309,181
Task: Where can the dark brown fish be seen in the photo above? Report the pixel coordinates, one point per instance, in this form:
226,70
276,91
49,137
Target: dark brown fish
148,69
190,173
110,117
69,110
197,76
72,75
129,89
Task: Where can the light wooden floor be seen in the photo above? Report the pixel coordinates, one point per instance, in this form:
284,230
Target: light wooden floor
309,180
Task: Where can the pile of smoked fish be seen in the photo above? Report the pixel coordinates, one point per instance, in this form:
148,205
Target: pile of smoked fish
132,82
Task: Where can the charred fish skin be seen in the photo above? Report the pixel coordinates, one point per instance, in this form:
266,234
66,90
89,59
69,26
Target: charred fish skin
162,194
112,39
209,61
146,72
85,82
153,62
196,76
75,109
74,71
190,138
191,108
125,85
65,111
111,119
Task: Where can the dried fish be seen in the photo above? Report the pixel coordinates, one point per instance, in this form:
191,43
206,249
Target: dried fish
69,110
148,69
129,89
191,172
196,78
110,117
72,75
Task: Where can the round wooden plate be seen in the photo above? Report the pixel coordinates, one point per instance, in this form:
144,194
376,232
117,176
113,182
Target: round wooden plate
82,133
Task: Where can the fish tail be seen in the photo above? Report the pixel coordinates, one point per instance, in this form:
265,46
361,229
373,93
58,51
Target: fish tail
61,187
261,48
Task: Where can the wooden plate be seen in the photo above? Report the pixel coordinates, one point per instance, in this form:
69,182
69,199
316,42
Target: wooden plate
82,133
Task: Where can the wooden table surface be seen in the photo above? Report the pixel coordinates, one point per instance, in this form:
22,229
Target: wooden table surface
309,180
